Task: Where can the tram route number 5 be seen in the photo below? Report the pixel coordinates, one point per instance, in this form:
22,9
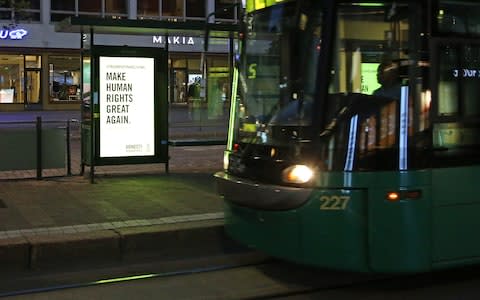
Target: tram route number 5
332,202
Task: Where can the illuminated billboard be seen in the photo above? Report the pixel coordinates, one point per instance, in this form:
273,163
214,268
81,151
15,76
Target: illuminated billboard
127,106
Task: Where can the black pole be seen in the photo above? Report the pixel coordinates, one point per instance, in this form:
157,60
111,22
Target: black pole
39,147
82,107
69,156
94,89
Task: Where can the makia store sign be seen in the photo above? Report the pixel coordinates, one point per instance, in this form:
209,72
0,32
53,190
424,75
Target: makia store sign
127,126
173,40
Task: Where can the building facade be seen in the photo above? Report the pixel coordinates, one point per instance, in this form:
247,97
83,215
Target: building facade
40,69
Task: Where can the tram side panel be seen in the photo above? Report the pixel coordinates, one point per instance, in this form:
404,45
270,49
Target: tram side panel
334,227
399,231
456,216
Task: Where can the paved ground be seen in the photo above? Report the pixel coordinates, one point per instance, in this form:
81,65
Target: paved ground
129,210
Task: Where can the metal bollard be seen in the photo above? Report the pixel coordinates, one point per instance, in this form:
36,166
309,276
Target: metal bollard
69,156
39,147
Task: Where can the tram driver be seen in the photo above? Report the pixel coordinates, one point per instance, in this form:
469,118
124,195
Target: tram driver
389,78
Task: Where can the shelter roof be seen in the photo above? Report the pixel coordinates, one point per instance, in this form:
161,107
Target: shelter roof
144,27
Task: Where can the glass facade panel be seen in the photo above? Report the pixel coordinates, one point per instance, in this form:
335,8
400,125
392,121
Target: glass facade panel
65,5
62,9
64,78
20,10
224,9
196,8
116,7
172,8
91,6
148,8
194,65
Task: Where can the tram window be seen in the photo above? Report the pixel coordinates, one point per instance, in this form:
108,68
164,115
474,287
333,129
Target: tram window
447,85
459,16
366,120
459,78
366,37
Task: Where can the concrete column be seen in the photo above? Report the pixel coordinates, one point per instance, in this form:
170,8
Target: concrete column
132,9
45,10
210,7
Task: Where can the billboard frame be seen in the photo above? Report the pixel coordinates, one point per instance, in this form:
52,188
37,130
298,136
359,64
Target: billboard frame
160,104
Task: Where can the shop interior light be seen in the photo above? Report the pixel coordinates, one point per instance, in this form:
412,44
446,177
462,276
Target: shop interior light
297,174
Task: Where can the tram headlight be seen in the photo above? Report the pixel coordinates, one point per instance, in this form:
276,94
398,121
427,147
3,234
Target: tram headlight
297,174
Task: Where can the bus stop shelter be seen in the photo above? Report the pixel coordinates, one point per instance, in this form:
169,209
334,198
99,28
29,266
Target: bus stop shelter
124,87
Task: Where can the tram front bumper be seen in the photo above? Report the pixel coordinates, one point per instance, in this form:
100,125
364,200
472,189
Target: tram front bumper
247,193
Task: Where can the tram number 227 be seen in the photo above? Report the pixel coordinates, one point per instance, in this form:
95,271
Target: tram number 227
332,202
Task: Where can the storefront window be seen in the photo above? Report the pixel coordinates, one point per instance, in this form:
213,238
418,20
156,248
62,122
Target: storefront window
148,9
11,70
64,78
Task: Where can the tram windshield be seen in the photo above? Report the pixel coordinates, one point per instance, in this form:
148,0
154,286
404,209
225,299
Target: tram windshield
277,81
355,91
354,122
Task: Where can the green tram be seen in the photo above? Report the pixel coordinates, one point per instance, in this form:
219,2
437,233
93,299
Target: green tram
354,138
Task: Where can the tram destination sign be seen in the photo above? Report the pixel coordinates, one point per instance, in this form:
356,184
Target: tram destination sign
126,103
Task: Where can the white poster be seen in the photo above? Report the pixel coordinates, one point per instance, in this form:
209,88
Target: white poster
127,123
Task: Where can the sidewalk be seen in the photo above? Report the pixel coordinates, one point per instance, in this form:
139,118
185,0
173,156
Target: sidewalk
130,212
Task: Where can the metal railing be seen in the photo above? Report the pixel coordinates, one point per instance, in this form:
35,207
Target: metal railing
30,147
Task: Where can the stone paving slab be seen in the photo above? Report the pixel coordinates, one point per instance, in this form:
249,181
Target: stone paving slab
129,211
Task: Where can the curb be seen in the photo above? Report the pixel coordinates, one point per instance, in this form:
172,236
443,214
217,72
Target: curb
164,242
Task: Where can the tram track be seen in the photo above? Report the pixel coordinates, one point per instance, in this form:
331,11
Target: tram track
458,281
131,273
249,279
